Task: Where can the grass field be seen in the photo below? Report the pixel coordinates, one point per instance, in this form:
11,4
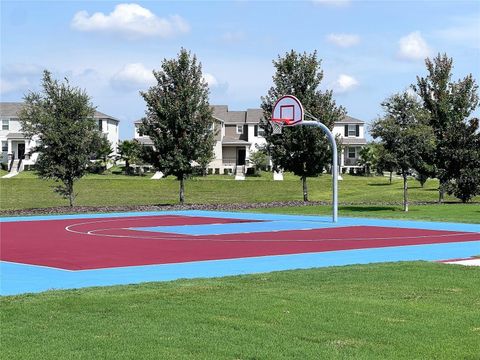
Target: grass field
466,213
383,311
26,191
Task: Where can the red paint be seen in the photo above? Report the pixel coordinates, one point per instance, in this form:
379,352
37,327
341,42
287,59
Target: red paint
48,243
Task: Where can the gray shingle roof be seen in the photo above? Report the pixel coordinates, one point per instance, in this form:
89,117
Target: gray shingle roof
15,136
11,109
144,140
350,120
353,141
230,141
254,115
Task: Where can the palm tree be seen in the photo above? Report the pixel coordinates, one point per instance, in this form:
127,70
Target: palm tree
129,150
368,158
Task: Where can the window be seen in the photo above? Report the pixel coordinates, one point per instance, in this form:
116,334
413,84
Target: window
352,130
352,153
100,125
239,129
5,124
4,146
258,131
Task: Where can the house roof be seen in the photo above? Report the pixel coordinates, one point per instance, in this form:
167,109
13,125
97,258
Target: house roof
231,141
144,140
349,120
12,136
11,109
254,115
353,141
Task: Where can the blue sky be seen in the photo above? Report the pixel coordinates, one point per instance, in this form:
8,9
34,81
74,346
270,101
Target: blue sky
369,49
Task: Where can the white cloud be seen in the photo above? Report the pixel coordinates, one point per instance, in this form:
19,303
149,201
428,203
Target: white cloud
132,21
335,3
343,40
413,47
345,83
133,77
210,80
232,37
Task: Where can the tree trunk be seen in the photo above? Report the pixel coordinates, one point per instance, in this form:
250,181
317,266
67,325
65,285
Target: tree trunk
405,192
305,189
71,196
391,174
182,189
127,167
441,192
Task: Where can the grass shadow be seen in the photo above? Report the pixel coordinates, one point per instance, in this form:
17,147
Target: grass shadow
380,184
367,208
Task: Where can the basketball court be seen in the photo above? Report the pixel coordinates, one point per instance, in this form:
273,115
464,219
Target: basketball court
75,251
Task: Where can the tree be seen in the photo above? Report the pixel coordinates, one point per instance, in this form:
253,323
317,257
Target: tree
259,160
449,104
61,116
178,117
129,150
368,158
102,150
301,150
464,162
405,135
386,161
205,159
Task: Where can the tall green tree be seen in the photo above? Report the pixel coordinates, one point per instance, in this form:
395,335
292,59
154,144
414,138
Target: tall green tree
302,150
464,162
62,119
178,117
129,151
450,104
405,135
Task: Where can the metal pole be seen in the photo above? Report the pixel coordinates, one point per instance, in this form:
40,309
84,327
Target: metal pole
334,163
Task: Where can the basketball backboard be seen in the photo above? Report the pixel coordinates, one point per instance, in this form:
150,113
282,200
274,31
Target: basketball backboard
288,110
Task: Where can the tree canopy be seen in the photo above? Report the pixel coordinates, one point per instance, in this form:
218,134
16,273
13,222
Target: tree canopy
301,150
450,104
61,117
405,135
178,117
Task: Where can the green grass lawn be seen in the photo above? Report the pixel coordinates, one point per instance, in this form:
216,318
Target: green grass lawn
466,213
26,191
382,311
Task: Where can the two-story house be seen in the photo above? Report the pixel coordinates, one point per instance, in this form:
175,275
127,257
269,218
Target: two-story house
16,148
352,135
238,135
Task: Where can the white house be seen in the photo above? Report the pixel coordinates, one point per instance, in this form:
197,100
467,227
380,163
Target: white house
352,134
16,147
238,135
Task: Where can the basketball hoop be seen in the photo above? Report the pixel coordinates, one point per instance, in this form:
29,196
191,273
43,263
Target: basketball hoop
287,111
278,124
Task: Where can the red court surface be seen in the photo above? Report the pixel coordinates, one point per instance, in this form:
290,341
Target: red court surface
80,244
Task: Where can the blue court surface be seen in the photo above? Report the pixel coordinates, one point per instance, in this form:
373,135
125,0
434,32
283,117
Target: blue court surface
196,244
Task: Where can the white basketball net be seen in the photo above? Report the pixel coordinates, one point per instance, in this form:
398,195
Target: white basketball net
277,127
